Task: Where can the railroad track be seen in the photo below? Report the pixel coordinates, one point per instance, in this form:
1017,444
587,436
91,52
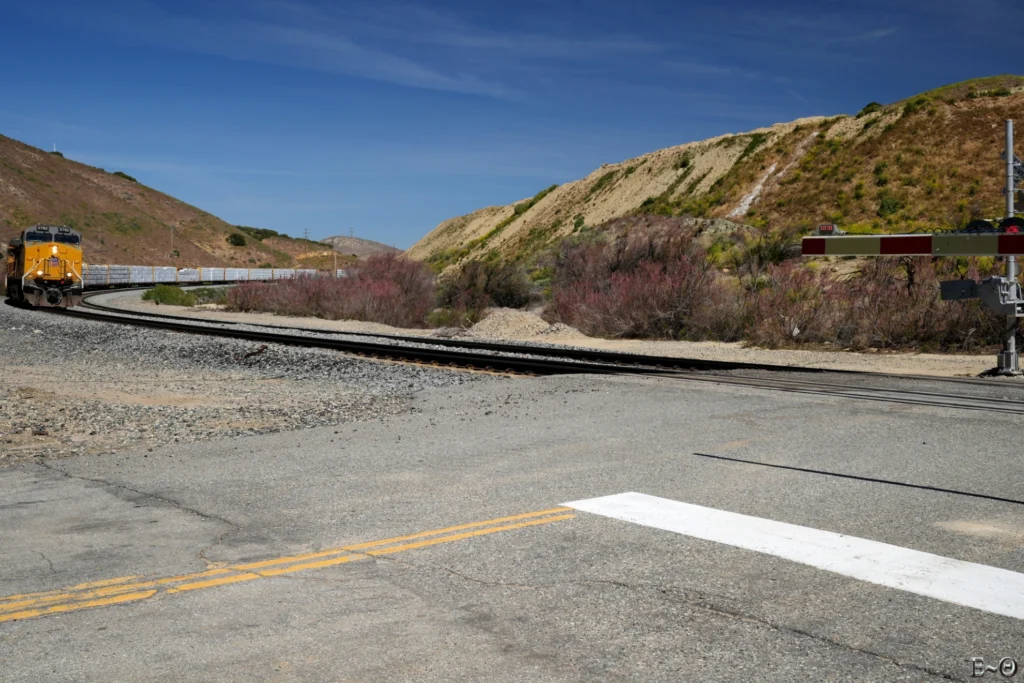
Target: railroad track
525,359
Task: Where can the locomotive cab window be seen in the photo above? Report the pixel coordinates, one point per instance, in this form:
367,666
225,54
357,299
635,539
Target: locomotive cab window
36,236
66,238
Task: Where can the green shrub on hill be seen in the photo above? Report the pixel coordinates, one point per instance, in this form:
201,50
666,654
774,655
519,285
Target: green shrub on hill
170,295
870,108
602,183
258,234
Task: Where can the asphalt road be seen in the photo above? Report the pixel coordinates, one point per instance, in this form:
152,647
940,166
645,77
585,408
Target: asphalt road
434,545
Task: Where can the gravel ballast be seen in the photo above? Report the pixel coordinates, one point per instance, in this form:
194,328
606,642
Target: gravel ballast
76,386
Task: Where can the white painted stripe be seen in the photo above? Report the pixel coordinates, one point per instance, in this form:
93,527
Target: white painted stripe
990,589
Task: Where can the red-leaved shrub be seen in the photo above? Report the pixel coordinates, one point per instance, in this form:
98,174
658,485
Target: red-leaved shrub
385,289
666,288
641,287
892,303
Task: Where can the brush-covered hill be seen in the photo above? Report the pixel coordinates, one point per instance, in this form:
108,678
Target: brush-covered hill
930,161
121,220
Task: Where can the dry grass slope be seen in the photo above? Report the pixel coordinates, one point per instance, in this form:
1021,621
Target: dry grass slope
121,220
931,161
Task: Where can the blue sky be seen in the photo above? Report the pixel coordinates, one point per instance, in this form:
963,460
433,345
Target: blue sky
389,117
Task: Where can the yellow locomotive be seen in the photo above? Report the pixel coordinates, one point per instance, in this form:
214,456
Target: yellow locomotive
44,267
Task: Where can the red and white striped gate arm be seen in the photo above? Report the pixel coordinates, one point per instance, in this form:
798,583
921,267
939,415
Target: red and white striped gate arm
915,245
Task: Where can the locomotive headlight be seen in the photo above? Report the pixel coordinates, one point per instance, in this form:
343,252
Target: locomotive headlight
69,274
39,272
54,248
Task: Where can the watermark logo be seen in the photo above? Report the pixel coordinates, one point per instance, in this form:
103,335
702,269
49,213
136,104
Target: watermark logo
1007,667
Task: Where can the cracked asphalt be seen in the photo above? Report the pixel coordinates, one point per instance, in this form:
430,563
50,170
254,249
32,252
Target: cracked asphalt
430,545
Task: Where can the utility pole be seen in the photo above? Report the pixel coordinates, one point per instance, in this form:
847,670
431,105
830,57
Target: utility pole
1009,361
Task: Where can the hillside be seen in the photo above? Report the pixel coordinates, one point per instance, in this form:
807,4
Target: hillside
121,220
357,246
926,162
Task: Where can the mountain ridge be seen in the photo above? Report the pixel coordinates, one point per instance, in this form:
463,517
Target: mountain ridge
358,247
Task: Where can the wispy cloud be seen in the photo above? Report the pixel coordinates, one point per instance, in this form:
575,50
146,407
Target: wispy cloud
387,41
829,35
797,96
277,39
868,36
319,50
418,23
707,69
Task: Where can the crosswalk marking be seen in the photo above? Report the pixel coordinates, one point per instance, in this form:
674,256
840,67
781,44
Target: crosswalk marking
979,586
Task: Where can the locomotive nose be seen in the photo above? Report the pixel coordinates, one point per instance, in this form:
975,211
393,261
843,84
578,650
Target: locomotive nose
54,297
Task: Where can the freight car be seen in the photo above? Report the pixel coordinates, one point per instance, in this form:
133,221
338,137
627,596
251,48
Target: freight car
44,267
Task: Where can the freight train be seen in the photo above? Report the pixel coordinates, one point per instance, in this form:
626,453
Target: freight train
45,268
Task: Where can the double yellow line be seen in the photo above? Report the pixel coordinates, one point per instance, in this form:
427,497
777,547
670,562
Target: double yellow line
132,588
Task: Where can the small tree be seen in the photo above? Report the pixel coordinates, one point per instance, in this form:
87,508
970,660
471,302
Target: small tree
236,239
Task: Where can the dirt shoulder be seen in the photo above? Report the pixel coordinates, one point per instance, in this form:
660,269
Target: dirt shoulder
514,325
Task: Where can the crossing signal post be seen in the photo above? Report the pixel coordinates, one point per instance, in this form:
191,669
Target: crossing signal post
1002,295
1009,359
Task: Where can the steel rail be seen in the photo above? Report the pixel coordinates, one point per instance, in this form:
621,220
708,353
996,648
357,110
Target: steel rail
429,355
552,361
578,354
915,398
595,355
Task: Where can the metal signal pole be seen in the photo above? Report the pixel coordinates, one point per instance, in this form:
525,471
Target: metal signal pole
1009,361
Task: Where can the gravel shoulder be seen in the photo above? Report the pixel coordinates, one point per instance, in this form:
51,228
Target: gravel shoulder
74,386
523,326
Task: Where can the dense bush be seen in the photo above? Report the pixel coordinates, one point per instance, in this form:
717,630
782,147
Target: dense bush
641,287
893,303
209,295
236,239
768,248
482,284
645,288
869,108
170,295
259,234
385,289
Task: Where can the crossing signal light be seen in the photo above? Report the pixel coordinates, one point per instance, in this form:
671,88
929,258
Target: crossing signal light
1012,225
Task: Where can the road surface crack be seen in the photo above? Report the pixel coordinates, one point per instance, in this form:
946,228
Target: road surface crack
48,561
163,499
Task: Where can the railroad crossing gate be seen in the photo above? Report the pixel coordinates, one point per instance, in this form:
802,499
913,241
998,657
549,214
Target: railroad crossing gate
1002,295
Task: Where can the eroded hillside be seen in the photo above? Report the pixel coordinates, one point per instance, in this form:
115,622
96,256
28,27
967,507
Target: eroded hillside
926,162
